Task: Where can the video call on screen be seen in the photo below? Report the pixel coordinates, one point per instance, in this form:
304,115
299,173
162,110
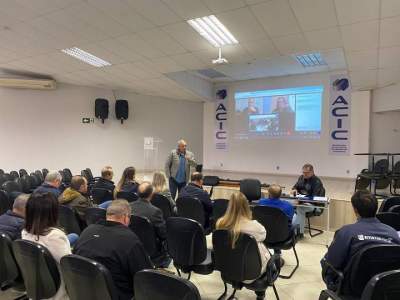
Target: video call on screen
282,113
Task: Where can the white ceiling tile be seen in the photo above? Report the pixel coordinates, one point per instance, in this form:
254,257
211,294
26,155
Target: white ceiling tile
314,14
291,44
51,28
334,58
140,46
252,2
188,9
390,32
362,60
166,65
366,79
158,39
17,11
360,36
352,11
189,61
389,57
217,6
247,29
187,36
277,17
390,8
261,48
155,10
140,70
116,47
46,6
388,76
324,39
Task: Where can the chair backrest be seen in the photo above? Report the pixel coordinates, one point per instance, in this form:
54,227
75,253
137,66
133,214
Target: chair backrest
2,178
14,174
366,263
94,215
85,174
243,262
1,171
210,180
275,222
163,204
67,175
186,241
22,172
34,180
381,166
68,219
191,208
5,202
100,195
157,285
10,272
396,168
219,208
390,218
25,183
362,183
38,268
385,286
128,196
87,279
40,175
11,186
45,172
144,230
251,188
89,172
382,183
388,203
395,209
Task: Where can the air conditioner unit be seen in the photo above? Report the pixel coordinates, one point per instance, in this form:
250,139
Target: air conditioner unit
26,83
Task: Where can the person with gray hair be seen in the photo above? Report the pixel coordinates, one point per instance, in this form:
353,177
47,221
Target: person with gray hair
12,222
180,162
51,184
115,246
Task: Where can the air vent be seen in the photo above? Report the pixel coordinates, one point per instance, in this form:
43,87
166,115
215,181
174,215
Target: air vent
311,60
211,73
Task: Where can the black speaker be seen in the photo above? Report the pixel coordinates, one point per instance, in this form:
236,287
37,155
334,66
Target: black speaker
121,110
101,109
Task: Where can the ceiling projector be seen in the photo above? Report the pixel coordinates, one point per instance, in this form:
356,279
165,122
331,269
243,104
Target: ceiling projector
220,60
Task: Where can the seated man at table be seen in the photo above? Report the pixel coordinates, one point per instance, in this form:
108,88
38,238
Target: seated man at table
309,185
349,239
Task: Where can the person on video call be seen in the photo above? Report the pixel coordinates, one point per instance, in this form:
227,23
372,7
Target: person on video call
178,167
251,108
286,115
309,185
282,105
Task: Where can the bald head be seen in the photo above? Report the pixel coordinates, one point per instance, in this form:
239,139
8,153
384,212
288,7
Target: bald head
182,146
274,191
20,204
145,190
119,211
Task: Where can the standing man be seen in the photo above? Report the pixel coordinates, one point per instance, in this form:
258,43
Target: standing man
177,167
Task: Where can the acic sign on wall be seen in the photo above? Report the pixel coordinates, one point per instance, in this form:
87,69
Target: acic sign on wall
221,120
339,115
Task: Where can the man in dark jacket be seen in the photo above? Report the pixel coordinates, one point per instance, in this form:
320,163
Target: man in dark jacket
195,190
12,222
105,182
51,184
115,246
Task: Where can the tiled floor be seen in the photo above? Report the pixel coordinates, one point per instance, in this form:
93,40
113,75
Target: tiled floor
305,284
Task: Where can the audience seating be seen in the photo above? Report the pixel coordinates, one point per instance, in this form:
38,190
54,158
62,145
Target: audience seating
128,196
364,265
315,213
67,175
188,247
10,275
45,172
34,181
94,215
39,269
14,175
40,175
68,220
100,195
394,177
395,209
22,172
192,208
388,203
25,184
243,263
378,174
11,186
390,218
163,204
157,285
251,188
87,279
280,236
211,181
385,285
5,202
1,171
219,208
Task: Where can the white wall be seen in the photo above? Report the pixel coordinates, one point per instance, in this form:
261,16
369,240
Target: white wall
44,129
264,156
386,99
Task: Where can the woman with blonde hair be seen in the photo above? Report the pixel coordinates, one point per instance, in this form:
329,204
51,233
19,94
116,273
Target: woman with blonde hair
238,219
160,187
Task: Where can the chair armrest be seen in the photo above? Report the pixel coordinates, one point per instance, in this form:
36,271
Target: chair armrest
325,294
326,266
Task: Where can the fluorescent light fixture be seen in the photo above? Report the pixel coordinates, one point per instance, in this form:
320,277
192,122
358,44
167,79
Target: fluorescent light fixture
311,59
213,31
86,57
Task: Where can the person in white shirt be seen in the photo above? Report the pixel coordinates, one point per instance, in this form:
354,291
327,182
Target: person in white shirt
41,227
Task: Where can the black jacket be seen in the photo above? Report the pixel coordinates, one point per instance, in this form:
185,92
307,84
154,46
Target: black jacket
107,185
130,187
194,191
310,187
144,208
118,249
11,224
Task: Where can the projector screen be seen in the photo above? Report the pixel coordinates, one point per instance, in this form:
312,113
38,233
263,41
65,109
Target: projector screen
279,113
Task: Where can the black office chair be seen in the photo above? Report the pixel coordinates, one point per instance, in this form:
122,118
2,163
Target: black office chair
366,263
188,247
145,231
40,175
243,263
192,208
38,268
1,171
388,203
94,215
219,208
100,195
10,275
87,279
67,175
280,236
163,204
45,172
68,219
25,184
14,174
157,285
211,181
390,218
394,177
385,285
128,196
11,186
395,209
34,181
378,174
22,172
5,202
361,183
251,188
315,213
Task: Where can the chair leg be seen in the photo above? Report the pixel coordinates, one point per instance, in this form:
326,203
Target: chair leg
275,292
295,268
311,229
323,296
224,293
190,274
260,295
22,297
179,272
233,295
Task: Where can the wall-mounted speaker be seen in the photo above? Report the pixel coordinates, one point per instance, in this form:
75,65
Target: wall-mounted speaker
121,110
101,109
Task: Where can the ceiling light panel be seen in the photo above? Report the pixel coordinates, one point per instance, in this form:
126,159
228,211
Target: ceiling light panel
311,59
86,57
